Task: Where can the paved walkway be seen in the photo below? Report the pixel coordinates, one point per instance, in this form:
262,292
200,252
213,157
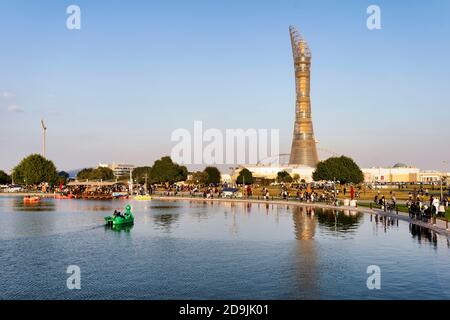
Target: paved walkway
440,227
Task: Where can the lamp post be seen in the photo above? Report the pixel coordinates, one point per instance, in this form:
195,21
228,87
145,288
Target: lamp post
334,186
442,178
145,186
131,182
44,128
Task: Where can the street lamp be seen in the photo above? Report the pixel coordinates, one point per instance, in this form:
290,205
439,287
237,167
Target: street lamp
442,178
44,128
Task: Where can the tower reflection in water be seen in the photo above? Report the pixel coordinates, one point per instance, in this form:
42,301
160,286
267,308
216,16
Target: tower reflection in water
306,220
306,275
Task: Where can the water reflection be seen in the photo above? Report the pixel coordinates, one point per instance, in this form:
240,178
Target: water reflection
43,205
165,221
339,221
164,207
304,223
120,228
387,223
305,264
423,234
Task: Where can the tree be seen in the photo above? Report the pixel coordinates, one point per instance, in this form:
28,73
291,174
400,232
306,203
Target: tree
62,177
35,169
84,174
165,170
296,177
213,175
139,174
4,177
63,174
102,173
245,176
341,168
198,177
284,176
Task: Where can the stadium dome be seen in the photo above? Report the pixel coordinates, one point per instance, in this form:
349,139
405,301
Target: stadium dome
400,165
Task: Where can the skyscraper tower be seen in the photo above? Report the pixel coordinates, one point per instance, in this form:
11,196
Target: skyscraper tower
303,151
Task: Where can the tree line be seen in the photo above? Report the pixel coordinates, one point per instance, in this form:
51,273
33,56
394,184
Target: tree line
35,169
163,170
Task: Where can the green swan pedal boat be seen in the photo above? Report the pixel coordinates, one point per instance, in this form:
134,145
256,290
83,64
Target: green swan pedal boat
126,218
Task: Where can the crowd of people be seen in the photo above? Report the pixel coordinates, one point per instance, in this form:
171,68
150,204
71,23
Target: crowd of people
418,207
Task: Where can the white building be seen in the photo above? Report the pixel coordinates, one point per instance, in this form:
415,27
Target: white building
402,173
431,176
119,169
398,173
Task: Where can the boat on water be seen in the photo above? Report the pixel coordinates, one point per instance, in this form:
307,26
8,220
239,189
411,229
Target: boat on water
145,197
29,199
118,218
119,195
64,196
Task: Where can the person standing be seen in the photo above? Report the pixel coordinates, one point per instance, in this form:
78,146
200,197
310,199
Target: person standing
436,204
394,200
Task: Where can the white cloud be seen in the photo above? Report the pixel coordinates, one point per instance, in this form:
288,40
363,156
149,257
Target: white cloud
7,94
14,108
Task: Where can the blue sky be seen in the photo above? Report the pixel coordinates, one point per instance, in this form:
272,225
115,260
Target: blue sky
137,70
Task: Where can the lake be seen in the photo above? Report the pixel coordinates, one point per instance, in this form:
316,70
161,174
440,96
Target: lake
204,250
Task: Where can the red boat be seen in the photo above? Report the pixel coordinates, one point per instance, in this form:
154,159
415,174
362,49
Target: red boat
29,199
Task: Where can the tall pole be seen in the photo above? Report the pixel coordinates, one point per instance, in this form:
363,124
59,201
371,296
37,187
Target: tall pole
44,128
45,138
145,186
334,187
131,182
442,179
243,186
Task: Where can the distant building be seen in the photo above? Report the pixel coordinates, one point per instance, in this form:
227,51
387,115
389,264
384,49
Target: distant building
402,173
119,169
431,176
398,173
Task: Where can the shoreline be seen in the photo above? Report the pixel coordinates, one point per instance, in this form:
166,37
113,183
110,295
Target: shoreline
440,227
24,194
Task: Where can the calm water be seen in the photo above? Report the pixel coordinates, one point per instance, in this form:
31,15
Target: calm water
182,250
